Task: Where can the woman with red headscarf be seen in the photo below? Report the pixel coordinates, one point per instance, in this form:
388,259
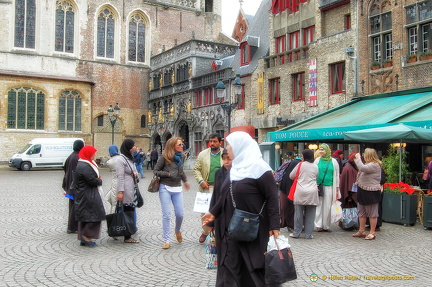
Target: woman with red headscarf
347,178
89,209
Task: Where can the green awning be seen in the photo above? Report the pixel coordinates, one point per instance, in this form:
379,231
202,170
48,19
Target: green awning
412,107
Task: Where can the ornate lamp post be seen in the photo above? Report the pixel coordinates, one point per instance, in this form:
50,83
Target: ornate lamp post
112,115
228,106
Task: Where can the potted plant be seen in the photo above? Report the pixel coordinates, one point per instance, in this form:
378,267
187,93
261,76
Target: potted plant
388,63
426,55
399,203
375,65
412,58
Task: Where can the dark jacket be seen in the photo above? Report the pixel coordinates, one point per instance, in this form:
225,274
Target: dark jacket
154,155
249,195
171,175
69,167
88,202
286,181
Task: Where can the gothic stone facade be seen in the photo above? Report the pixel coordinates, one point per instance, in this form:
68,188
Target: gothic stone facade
79,57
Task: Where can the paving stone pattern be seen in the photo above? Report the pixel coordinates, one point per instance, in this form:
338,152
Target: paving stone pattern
37,251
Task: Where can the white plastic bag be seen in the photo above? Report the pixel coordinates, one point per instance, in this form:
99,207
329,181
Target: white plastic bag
336,212
281,240
202,202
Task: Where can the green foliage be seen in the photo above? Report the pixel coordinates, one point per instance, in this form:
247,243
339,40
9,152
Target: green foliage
390,164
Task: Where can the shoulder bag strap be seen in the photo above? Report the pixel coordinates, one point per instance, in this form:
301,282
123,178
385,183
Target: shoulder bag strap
130,168
234,204
330,161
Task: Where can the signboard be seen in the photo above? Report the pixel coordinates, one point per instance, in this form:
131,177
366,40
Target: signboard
312,82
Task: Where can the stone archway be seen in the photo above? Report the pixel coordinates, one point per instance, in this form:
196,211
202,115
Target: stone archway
183,132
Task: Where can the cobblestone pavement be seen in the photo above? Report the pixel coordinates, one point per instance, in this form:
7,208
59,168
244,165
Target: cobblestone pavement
38,252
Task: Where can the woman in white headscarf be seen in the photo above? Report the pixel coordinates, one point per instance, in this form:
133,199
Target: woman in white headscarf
253,186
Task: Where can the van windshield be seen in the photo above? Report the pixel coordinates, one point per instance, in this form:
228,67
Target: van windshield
24,148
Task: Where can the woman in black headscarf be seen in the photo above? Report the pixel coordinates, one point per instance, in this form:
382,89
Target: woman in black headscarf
69,167
126,172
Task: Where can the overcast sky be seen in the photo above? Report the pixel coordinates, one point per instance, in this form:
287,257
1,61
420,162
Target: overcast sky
230,9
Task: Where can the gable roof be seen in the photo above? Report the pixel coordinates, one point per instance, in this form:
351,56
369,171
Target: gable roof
258,36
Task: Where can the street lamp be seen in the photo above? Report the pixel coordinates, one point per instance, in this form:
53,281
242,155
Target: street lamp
228,106
112,115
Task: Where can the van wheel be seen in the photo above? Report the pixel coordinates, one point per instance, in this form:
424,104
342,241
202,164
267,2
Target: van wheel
26,166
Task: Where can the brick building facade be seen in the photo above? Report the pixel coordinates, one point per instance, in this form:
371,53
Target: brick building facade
64,62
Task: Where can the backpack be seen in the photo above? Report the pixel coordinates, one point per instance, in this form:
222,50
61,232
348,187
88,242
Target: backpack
426,172
278,174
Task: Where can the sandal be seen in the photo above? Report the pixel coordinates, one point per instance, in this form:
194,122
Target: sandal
370,236
360,234
131,241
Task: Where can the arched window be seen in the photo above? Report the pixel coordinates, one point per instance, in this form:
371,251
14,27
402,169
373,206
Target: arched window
25,23
64,29
26,109
137,38
143,121
105,33
70,111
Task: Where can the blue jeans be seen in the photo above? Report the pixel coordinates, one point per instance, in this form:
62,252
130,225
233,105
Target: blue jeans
139,169
166,197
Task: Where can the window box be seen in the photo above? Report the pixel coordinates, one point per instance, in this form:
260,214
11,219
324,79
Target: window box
412,58
375,65
425,55
387,63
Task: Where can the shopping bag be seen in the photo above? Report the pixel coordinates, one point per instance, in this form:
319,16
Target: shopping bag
211,253
279,266
202,202
350,218
336,212
120,223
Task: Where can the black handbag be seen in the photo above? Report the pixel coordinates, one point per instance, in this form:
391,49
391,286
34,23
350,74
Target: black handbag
139,198
244,225
121,223
279,266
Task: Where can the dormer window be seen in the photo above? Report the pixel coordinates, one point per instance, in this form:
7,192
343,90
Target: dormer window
245,53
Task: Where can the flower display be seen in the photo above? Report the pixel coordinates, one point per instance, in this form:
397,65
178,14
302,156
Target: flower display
398,188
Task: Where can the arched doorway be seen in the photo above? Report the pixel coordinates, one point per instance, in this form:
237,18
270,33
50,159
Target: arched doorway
157,143
184,133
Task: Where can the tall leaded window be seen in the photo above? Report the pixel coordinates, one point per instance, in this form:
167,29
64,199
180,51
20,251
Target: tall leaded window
137,38
25,23
70,111
64,29
419,23
337,78
298,86
198,145
381,35
26,109
105,34
274,91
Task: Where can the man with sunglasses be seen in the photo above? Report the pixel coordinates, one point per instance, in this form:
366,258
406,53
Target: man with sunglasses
209,160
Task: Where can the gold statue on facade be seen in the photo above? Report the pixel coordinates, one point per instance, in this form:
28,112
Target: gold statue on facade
149,117
172,111
172,77
189,107
161,117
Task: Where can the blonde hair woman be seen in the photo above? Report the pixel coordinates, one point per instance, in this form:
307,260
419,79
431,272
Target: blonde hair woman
169,168
368,191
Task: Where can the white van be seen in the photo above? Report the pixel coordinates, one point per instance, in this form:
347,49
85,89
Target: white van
43,152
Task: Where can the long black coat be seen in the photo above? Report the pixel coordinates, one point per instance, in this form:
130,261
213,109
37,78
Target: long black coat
69,167
249,195
88,202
